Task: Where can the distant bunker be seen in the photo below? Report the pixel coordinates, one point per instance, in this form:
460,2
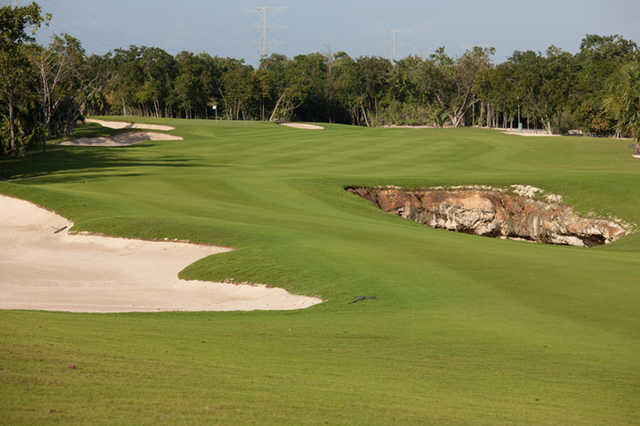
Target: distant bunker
520,213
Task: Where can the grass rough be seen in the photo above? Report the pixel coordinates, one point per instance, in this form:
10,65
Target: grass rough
463,330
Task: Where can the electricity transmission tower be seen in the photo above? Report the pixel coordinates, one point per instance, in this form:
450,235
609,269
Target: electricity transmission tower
265,29
394,44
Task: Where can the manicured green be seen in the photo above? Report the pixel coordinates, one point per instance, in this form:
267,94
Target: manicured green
464,329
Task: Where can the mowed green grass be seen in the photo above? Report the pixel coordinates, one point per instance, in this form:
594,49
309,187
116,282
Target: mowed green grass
464,329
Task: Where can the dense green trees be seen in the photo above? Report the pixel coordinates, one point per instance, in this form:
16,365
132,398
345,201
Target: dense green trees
623,100
598,60
60,70
44,90
559,91
15,80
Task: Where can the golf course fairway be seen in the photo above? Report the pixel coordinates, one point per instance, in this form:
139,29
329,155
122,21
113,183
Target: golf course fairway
463,329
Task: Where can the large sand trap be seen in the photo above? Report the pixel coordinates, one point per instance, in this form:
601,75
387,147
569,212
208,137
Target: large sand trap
303,126
42,269
123,139
131,125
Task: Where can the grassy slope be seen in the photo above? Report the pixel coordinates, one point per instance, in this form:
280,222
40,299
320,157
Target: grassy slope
464,329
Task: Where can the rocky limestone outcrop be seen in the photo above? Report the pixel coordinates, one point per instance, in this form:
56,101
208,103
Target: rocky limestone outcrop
522,212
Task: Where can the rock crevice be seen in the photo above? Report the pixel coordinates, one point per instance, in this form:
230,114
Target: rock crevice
521,212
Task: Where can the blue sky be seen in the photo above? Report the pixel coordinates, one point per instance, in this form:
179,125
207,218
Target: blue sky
359,27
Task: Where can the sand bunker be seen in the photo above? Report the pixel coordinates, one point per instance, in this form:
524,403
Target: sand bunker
123,139
44,267
131,125
303,126
527,133
408,126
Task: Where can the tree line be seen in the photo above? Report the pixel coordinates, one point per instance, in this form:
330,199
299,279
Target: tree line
45,90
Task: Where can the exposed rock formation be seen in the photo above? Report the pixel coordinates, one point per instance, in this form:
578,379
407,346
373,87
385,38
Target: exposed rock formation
495,212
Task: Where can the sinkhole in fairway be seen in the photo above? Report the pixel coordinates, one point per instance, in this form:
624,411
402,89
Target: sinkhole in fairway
520,212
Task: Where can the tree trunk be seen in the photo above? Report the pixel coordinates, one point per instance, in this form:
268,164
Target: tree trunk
456,119
473,114
364,114
12,132
275,109
546,122
354,116
488,116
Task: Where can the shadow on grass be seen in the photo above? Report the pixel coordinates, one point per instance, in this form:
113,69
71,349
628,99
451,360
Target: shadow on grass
92,130
61,163
108,161
67,159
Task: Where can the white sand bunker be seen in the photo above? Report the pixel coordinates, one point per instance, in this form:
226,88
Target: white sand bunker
131,125
527,133
43,267
303,126
123,139
408,126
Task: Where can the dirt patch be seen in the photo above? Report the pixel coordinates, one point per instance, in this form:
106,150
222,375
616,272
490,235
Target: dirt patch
303,126
123,139
45,267
129,125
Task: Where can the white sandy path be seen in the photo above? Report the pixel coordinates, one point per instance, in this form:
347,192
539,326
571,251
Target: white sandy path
303,126
129,125
122,139
41,269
